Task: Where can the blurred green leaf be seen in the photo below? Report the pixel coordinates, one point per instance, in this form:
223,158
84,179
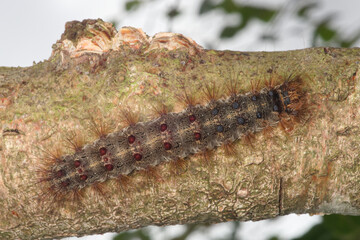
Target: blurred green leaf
325,31
206,6
335,227
229,6
304,11
141,234
263,14
229,32
350,41
317,232
132,5
247,14
274,238
343,226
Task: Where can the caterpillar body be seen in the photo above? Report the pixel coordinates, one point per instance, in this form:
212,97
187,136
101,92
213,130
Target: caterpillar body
174,136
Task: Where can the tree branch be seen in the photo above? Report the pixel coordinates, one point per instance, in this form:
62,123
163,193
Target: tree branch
95,71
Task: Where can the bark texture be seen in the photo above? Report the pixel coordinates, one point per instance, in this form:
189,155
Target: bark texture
95,71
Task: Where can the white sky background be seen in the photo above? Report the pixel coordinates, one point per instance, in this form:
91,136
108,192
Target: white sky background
29,28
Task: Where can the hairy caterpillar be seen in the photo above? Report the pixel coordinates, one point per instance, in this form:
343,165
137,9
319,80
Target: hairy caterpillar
174,136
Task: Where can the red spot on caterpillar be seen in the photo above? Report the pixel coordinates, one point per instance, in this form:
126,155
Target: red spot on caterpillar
192,118
106,159
109,167
197,136
137,156
83,177
163,127
167,145
102,151
77,163
131,139
60,173
65,183
80,170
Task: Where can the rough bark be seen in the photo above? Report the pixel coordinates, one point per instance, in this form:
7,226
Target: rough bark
314,169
